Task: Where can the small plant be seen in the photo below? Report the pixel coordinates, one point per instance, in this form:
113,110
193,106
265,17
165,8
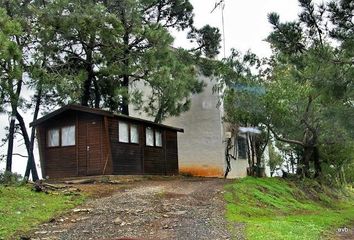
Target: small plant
9,178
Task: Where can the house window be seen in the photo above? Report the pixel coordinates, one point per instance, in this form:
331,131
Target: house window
241,147
123,132
134,133
149,136
53,138
158,138
68,136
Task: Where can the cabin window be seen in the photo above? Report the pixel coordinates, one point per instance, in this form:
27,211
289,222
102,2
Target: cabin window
53,138
68,136
134,133
158,138
149,136
153,137
123,132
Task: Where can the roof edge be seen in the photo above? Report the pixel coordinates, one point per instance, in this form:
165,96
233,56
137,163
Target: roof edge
96,111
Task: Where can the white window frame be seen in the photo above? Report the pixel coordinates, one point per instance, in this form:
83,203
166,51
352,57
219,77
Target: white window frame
136,127
148,141
73,140
49,138
158,137
121,138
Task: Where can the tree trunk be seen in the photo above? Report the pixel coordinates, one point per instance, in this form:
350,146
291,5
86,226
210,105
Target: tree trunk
10,145
158,116
125,101
30,166
307,155
317,163
86,95
125,84
249,155
28,147
14,102
97,94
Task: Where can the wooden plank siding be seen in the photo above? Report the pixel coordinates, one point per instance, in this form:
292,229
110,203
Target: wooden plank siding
98,151
154,161
171,153
59,161
126,157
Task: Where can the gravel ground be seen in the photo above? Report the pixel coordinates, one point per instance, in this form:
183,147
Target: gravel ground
183,208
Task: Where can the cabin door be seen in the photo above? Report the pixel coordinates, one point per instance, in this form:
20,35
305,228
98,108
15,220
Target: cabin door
94,147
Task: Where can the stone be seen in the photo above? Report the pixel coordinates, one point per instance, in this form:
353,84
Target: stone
118,221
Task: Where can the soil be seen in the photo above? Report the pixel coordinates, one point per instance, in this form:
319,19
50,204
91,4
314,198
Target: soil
166,208
345,232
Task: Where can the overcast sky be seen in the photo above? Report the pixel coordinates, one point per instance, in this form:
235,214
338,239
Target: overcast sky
246,24
246,27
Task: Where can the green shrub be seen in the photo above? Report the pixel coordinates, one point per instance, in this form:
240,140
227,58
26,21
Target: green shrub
9,178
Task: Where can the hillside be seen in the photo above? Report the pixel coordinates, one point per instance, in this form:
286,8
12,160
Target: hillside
275,208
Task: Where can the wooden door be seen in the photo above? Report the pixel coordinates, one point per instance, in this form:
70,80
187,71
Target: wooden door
94,147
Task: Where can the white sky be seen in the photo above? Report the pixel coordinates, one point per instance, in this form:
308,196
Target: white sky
246,27
246,24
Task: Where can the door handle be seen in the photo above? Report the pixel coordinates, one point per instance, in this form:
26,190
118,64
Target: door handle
88,148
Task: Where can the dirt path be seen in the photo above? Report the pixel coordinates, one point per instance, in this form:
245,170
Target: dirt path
186,208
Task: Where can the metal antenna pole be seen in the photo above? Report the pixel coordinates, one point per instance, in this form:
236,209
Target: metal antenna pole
221,4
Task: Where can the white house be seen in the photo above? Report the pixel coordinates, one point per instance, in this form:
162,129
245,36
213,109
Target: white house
202,146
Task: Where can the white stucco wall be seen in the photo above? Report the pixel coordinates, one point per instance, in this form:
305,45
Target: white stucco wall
201,148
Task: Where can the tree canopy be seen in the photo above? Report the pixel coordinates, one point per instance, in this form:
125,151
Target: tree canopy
91,52
303,93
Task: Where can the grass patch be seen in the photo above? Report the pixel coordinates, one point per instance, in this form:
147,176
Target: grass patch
21,208
274,208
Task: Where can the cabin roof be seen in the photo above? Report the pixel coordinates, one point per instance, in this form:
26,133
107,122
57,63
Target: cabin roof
79,108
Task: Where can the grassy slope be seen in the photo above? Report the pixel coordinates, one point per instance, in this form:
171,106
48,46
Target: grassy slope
278,209
21,208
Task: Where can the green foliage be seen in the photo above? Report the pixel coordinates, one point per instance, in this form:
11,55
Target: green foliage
21,209
338,162
307,86
172,84
208,39
103,48
12,179
279,209
275,159
10,58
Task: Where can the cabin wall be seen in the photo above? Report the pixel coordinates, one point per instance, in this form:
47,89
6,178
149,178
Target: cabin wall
59,161
171,153
97,150
126,157
154,160
130,158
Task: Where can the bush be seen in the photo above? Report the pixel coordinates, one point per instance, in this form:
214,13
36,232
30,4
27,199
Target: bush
9,178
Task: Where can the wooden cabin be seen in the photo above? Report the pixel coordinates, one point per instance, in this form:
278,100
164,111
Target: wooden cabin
82,141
